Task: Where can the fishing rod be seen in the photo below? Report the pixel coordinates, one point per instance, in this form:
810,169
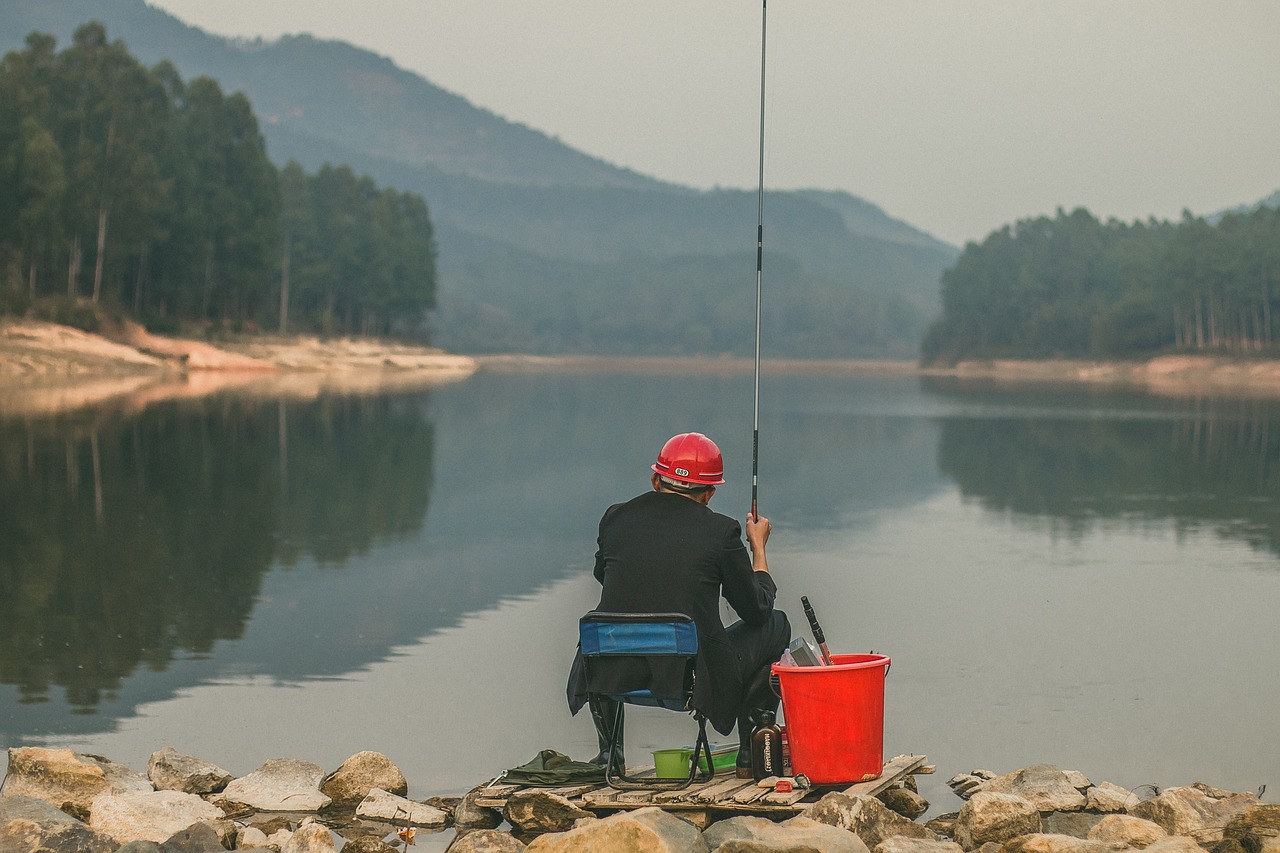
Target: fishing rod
755,427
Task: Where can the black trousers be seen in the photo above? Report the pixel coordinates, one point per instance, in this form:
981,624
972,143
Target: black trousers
758,647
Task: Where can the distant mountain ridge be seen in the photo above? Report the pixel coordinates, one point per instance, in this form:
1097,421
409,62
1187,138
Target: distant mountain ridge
543,247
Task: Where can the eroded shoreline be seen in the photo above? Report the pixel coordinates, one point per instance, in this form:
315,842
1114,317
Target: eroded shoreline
48,369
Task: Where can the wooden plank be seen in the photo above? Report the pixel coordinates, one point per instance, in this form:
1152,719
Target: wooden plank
776,798
897,768
749,794
571,791
723,790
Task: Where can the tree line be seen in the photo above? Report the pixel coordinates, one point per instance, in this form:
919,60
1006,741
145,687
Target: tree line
131,188
1075,286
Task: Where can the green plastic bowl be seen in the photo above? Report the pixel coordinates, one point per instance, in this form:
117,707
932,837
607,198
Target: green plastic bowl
674,763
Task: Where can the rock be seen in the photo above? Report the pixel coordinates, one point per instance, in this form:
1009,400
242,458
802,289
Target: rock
647,830
278,839
383,805
250,836
170,770
965,785
140,847
15,806
197,838
486,841
24,835
1075,824
1228,845
991,816
1174,844
799,833
1107,798
534,811
1127,829
900,844
360,774
367,844
905,802
148,815
1189,811
1253,826
468,815
280,785
1053,843
1271,845
1045,786
67,780
944,824
866,817
310,838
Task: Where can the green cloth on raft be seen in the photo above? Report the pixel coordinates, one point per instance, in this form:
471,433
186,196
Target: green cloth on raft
551,769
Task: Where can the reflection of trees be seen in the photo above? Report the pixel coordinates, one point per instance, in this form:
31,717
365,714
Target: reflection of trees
1200,464
126,542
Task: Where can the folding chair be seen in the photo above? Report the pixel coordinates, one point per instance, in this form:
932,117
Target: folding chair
643,659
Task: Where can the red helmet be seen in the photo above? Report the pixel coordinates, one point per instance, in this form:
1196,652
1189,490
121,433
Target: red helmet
691,458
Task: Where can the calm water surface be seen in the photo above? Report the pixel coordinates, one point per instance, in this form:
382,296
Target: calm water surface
1085,578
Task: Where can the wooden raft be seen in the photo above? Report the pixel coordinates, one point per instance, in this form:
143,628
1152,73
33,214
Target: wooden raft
722,793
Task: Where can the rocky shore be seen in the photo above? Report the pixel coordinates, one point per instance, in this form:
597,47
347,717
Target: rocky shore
47,368
57,801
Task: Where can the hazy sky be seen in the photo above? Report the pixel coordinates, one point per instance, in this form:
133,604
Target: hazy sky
956,115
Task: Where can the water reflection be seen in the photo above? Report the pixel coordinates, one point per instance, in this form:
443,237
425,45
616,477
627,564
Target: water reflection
128,542
1201,464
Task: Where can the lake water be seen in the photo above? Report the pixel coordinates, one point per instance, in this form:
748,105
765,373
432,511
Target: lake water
1082,577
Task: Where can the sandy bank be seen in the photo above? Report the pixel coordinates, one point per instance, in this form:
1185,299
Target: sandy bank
46,368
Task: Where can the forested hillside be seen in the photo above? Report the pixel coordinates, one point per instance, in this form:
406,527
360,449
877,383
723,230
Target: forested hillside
543,248
128,186
1075,286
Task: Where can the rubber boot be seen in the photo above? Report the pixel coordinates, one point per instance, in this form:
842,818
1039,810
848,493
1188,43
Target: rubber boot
745,726
602,714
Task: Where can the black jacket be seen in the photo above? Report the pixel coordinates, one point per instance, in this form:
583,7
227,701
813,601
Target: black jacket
662,552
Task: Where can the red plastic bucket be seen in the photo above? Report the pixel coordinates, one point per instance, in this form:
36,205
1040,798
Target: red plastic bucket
835,717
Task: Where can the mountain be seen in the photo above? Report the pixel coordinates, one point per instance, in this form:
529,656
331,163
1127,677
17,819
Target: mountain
1272,200
542,247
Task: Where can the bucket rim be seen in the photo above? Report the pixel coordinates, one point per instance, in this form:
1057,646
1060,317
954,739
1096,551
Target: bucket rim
839,663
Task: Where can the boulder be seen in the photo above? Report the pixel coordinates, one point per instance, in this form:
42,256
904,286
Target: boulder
280,785
1189,811
647,830
1108,798
990,816
904,801
24,835
385,806
867,817
66,779
468,815
1047,787
148,815
1127,829
1254,826
170,770
753,834
310,837
900,844
1077,824
944,824
486,841
360,774
1052,843
534,811
197,838
367,844
140,847
1174,844
250,836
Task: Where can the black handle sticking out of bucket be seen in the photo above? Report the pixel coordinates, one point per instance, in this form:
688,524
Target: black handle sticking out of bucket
816,628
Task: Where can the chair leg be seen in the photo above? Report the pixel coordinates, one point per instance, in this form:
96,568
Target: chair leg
618,778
